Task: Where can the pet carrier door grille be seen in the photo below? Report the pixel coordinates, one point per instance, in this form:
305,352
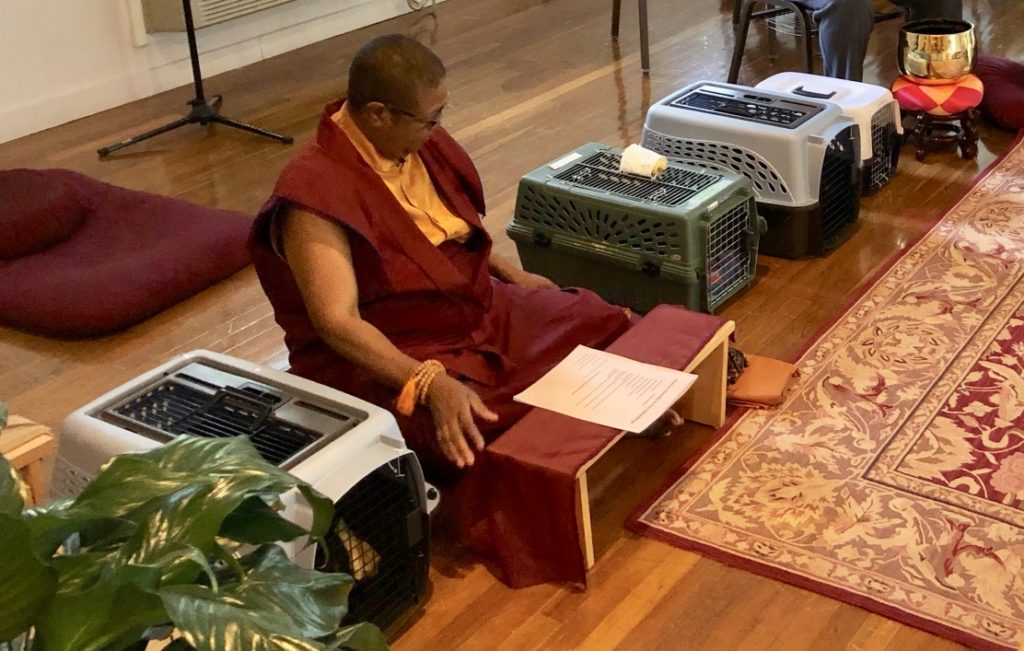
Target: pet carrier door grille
839,193
884,148
379,537
728,254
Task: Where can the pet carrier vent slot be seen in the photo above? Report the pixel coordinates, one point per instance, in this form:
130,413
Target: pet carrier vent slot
838,193
378,536
601,172
736,108
884,147
641,234
729,252
762,175
174,408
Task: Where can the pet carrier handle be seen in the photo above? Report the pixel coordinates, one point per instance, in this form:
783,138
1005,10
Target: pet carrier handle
259,406
800,90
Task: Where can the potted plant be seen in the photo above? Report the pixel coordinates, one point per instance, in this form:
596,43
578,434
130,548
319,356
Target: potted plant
182,538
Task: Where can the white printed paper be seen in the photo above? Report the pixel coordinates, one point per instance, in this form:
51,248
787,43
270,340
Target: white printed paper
608,389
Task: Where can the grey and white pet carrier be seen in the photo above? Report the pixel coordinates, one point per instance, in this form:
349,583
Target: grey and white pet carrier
687,237
873,108
802,156
346,448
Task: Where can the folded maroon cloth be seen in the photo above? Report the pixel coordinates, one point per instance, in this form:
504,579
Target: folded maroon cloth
762,383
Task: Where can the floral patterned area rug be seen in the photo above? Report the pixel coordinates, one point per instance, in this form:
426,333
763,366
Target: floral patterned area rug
892,476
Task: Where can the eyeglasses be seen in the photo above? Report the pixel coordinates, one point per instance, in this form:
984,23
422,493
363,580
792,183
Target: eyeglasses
429,123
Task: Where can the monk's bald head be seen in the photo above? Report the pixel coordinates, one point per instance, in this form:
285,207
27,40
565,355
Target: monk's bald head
393,69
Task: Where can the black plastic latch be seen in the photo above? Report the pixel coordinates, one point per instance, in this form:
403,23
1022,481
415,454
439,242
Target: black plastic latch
540,238
650,268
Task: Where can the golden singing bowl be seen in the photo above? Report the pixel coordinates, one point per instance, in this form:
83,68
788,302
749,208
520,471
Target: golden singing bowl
937,51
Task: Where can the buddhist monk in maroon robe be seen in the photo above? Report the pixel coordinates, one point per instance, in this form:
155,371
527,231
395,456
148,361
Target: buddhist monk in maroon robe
373,254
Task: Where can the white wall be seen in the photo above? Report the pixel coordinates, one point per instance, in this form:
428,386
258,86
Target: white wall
64,59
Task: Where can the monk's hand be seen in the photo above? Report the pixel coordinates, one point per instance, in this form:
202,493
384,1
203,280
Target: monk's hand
533,281
455,407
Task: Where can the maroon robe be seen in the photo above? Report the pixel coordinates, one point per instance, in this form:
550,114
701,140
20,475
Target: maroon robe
431,302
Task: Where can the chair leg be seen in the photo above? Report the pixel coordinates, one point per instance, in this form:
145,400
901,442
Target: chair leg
969,134
645,50
740,34
806,25
920,133
736,5
616,10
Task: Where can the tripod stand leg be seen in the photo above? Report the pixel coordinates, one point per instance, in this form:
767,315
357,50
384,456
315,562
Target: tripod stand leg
103,151
203,111
220,119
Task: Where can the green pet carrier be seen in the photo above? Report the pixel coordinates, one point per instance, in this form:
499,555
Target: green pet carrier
687,237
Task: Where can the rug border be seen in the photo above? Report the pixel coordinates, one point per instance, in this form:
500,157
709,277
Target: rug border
636,526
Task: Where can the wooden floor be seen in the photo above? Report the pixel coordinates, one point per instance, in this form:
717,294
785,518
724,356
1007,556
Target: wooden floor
530,80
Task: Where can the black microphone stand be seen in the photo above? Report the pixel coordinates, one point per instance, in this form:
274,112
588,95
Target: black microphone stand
203,112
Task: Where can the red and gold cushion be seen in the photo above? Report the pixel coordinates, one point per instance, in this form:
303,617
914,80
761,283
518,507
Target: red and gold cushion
939,100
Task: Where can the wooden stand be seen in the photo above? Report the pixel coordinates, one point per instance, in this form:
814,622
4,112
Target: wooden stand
704,403
960,128
29,447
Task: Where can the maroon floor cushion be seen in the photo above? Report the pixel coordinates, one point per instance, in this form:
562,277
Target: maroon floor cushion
1004,91
82,258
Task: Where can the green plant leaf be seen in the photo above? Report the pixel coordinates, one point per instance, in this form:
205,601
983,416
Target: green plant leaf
28,583
323,510
212,621
51,525
362,636
277,606
11,500
144,532
111,613
315,600
180,493
155,473
255,522
81,571
182,562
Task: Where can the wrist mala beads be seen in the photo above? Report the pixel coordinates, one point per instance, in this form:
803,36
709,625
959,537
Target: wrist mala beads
416,387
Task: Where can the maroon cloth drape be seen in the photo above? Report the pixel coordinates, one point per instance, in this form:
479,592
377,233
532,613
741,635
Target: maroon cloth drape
517,505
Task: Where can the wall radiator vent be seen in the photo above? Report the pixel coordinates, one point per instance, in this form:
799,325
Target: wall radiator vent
167,15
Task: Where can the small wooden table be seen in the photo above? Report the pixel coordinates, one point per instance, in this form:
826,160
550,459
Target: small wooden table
526,502
704,403
29,447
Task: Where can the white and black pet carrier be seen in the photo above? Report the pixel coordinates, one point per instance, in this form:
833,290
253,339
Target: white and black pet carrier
346,448
873,108
687,237
802,156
